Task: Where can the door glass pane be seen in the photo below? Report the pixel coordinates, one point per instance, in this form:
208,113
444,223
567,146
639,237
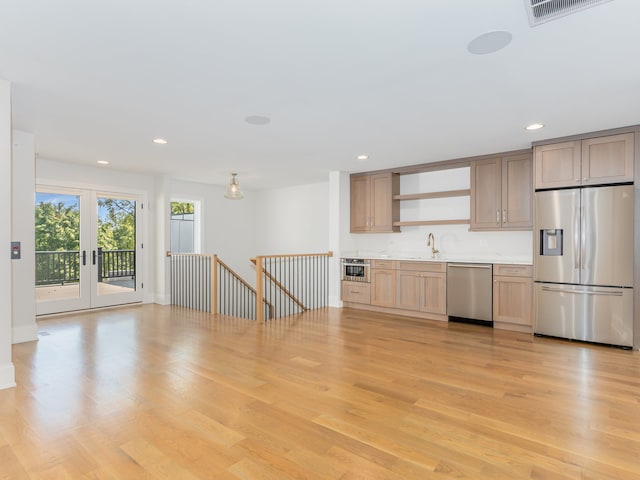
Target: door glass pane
182,227
116,255
57,225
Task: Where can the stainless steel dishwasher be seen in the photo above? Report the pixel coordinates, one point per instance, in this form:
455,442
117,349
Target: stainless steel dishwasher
470,293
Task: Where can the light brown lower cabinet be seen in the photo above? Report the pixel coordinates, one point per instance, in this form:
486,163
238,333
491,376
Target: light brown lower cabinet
422,286
433,293
356,292
513,297
383,287
408,290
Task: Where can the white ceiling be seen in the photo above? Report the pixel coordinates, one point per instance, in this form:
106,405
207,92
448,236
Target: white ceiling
392,79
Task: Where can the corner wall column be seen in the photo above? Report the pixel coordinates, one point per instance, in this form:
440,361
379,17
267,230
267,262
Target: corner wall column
7,371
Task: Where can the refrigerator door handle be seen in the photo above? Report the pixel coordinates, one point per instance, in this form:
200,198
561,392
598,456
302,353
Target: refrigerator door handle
583,240
576,238
617,293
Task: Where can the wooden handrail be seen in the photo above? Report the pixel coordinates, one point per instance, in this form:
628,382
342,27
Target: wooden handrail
177,254
327,254
235,275
284,290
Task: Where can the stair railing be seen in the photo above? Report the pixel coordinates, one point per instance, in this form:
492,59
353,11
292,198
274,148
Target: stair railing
292,283
204,282
235,297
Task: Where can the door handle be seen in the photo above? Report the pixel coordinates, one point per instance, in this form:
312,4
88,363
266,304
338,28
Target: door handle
467,265
576,238
94,256
84,257
616,293
583,239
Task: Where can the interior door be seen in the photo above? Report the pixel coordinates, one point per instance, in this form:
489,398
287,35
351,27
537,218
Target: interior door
87,249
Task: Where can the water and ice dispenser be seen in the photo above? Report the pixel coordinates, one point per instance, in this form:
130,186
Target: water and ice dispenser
551,242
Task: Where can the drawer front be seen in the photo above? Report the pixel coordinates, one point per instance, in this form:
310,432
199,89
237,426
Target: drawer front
356,292
389,264
423,266
513,270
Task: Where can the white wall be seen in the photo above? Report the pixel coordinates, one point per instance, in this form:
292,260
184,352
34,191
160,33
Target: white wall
23,177
160,211
228,228
7,371
293,219
339,237
50,172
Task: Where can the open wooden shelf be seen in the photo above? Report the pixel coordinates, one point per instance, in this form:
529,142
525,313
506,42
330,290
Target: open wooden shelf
462,221
421,196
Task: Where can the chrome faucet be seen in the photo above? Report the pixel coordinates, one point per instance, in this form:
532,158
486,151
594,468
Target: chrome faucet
431,242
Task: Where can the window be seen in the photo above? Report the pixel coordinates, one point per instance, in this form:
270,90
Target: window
183,227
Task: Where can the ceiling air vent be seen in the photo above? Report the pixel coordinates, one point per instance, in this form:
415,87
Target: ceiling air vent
541,11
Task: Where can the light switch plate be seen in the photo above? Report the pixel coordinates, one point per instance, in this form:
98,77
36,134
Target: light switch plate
15,250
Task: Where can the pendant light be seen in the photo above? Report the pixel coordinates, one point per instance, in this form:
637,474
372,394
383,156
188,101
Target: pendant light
233,190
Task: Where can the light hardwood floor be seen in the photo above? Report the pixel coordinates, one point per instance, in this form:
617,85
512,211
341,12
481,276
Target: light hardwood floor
166,393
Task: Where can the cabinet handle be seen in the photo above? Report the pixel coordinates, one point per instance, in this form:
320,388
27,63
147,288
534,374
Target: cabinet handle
504,216
498,216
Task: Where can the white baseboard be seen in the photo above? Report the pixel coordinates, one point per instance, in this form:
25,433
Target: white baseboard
25,333
162,299
335,302
7,376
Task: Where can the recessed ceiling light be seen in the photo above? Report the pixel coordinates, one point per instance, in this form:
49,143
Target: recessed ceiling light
534,126
257,120
489,42
362,157
102,162
160,141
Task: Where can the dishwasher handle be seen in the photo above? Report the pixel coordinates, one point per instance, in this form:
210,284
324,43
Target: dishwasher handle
468,265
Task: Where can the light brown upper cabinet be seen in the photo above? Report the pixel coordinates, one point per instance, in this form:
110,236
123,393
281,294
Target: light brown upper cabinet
593,161
372,205
501,193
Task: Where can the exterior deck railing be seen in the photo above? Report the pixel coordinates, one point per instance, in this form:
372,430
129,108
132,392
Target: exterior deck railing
63,267
57,268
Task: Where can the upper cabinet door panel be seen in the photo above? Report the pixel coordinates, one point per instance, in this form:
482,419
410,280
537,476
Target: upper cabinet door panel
607,159
517,197
557,165
360,203
383,186
486,194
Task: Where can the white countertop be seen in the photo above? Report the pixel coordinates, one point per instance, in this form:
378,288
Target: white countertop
445,257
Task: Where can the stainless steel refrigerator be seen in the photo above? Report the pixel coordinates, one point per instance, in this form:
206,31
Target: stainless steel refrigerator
583,264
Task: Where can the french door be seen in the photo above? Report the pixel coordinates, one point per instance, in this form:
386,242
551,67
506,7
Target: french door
87,249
